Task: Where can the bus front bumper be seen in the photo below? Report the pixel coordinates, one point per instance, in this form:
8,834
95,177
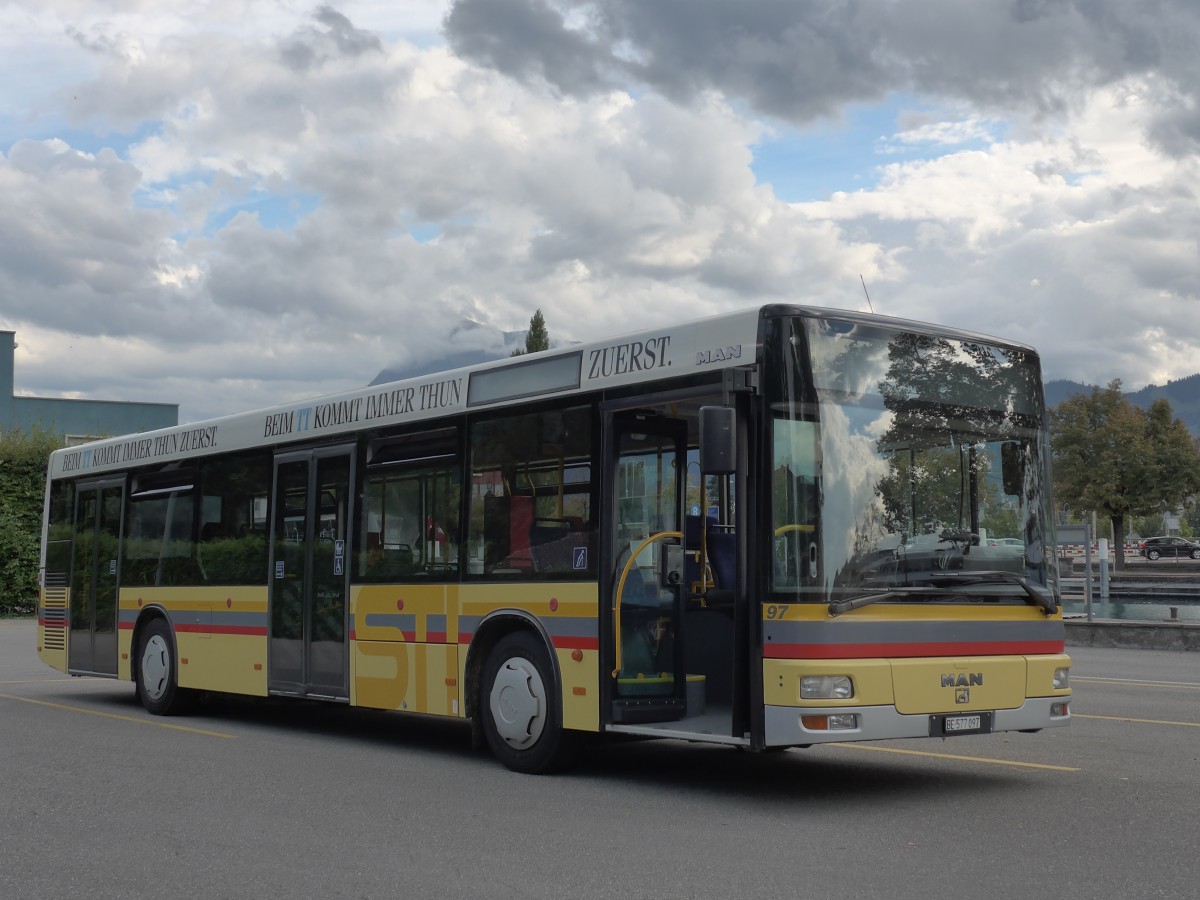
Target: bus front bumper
790,726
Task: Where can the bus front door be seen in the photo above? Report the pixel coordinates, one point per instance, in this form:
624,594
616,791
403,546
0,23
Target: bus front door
647,473
310,572
95,562
674,616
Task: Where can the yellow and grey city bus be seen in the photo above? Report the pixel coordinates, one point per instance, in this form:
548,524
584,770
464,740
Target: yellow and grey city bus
766,529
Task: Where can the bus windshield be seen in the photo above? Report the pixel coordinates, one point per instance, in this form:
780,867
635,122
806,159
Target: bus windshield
905,460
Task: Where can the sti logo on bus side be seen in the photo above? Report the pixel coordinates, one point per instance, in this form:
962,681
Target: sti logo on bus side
719,354
957,681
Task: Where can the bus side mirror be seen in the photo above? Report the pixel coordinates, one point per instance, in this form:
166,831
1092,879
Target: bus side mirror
718,440
1012,466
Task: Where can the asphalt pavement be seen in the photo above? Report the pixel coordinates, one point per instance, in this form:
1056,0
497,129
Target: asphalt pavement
275,799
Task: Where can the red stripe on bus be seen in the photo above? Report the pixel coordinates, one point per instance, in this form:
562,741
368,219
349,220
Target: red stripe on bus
878,651
575,643
252,630
435,637
125,626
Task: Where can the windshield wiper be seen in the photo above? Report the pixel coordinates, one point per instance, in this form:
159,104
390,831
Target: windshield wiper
1032,594
837,607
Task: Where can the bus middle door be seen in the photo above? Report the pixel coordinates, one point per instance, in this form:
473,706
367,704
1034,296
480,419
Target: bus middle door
310,573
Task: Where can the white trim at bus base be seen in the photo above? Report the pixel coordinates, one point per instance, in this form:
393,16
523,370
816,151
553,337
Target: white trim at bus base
782,726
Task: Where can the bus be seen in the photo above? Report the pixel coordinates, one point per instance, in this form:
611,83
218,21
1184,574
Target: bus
772,528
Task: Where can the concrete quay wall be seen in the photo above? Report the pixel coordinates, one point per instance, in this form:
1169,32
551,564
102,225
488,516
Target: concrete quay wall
1136,635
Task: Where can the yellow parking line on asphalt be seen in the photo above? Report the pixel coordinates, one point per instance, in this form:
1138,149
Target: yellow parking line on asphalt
978,759
108,715
1138,721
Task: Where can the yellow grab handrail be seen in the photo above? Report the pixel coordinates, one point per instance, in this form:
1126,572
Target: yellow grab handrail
784,529
621,589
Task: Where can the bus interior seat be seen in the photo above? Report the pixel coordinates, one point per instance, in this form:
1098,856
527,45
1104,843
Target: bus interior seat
720,544
211,531
552,543
507,523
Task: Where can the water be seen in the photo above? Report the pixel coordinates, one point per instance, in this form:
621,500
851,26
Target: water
1137,608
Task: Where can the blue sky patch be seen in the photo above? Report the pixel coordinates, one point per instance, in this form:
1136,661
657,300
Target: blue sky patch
812,163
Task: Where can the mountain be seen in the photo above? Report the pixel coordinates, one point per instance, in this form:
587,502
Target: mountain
474,343
1183,395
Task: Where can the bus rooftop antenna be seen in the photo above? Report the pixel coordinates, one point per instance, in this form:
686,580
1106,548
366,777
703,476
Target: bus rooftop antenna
864,284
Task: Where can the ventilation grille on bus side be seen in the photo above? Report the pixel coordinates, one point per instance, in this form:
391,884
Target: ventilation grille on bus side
54,618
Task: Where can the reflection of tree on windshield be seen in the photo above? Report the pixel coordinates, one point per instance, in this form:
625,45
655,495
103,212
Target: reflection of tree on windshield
937,387
923,492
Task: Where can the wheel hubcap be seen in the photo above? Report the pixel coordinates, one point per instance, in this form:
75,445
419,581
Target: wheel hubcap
518,703
156,667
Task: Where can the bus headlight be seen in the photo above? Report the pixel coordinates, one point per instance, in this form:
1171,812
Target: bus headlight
1062,679
838,722
826,687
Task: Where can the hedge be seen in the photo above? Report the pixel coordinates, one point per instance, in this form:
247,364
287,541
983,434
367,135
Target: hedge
23,458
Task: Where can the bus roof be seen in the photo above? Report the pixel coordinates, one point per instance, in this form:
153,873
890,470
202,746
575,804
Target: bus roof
672,351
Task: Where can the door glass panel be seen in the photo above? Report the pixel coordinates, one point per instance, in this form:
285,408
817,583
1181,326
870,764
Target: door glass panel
82,568
287,581
648,475
108,536
327,615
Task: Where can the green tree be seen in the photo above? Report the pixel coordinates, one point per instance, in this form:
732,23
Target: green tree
1121,461
536,338
23,459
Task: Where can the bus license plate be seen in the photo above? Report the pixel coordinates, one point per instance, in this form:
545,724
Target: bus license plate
961,723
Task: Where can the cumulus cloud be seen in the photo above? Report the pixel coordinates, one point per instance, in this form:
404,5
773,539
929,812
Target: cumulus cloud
797,61
240,204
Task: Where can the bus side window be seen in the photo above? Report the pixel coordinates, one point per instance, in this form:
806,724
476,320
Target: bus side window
532,495
410,523
158,547
232,550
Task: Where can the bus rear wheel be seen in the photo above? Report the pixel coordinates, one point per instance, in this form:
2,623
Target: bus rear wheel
518,706
158,672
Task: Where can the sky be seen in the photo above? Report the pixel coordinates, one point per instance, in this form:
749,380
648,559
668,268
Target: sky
231,204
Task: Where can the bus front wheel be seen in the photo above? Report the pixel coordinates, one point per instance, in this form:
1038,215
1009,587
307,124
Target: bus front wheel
158,672
519,706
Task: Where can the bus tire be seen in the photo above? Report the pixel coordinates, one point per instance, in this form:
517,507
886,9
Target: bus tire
518,706
158,672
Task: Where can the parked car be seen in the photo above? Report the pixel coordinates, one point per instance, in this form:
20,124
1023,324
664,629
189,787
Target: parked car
1157,547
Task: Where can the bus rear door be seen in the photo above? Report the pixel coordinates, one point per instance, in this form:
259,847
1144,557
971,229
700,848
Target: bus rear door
95,568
